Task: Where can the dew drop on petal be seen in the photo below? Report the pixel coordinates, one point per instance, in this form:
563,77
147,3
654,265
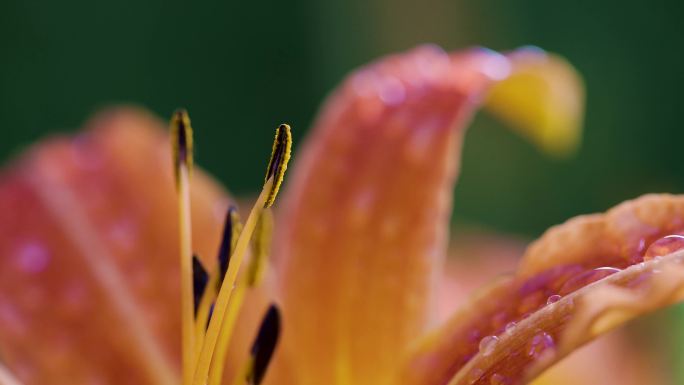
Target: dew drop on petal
496,66
540,343
664,246
392,91
510,326
32,257
432,62
553,299
487,345
581,280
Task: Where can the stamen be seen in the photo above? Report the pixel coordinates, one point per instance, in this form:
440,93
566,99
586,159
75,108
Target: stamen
261,248
231,232
280,156
278,163
264,345
218,360
181,135
254,370
211,312
200,278
253,276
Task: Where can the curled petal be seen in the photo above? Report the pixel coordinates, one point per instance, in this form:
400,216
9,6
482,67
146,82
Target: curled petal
364,227
543,99
551,333
363,233
591,279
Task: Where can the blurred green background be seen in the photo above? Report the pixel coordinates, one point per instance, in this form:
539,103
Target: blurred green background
243,67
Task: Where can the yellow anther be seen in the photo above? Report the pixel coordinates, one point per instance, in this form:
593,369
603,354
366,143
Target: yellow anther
230,296
181,141
280,156
181,136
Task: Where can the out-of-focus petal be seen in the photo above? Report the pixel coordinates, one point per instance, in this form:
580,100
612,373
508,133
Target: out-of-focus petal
474,258
362,235
578,281
611,360
543,99
89,260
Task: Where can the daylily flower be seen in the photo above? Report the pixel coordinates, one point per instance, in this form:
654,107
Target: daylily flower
89,275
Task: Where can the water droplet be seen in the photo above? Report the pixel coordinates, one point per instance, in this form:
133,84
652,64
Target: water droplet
32,257
432,62
487,345
498,379
510,326
539,343
553,299
586,278
496,66
392,91
664,246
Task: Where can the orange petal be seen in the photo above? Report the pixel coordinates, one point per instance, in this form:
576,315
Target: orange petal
482,345
364,227
616,359
89,274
